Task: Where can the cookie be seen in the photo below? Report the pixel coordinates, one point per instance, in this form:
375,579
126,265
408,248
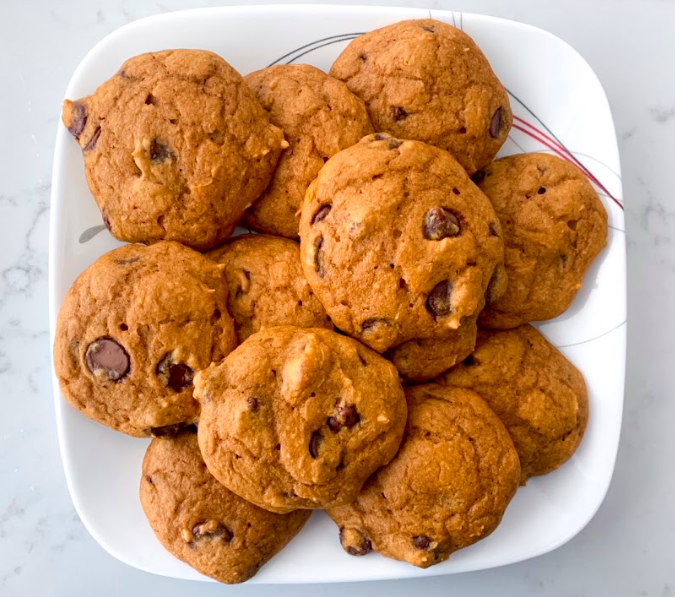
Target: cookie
175,147
202,523
397,242
554,227
537,393
319,116
448,487
428,81
267,286
421,360
132,332
299,418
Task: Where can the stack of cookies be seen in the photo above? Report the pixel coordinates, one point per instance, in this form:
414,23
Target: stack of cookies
383,368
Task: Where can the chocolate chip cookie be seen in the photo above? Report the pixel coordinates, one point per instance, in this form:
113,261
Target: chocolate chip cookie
132,332
428,81
554,227
537,393
299,418
421,360
266,285
397,242
202,523
175,147
319,116
448,487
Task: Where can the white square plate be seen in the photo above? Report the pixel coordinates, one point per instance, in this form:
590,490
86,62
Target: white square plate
555,95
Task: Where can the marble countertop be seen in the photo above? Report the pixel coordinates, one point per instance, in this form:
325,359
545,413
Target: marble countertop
628,549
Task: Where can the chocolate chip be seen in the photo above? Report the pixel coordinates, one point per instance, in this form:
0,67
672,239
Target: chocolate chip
211,530
438,301
124,327
94,139
106,221
496,123
440,223
314,442
321,214
398,113
79,120
159,152
373,322
166,430
455,190
470,360
478,176
363,547
318,258
346,416
421,542
380,136
492,229
541,190
176,376
333,424
252,403
107,356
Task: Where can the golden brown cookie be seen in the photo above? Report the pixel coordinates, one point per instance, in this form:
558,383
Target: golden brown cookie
267,285
319,116
132,332
428,81
299,418
537,393
554,227
397,242
202,523
421,360
448,487
175,147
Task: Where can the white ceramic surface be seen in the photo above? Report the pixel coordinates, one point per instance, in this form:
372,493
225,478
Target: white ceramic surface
560,95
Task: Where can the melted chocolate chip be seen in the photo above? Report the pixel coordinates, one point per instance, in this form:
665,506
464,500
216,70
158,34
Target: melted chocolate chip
176,376
79,120
314,442
94,139
346,416
211,530
398,113
496,123
159,152
334,424
107,357
421,542
318,257
363,548
438,301
322,213
167,430
440,223
252,403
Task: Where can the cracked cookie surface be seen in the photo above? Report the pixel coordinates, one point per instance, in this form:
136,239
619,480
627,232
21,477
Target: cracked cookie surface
448,487
134,329
299,418
554,226
536,392
319,117
428,81
201,522
267,286
397,242
175,147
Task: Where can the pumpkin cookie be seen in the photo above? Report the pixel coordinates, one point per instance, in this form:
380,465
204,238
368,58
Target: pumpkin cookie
554,227
202,523
132,332
175,147
537,393
428,81
397,242
267,285
448,487
299,418
319,116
